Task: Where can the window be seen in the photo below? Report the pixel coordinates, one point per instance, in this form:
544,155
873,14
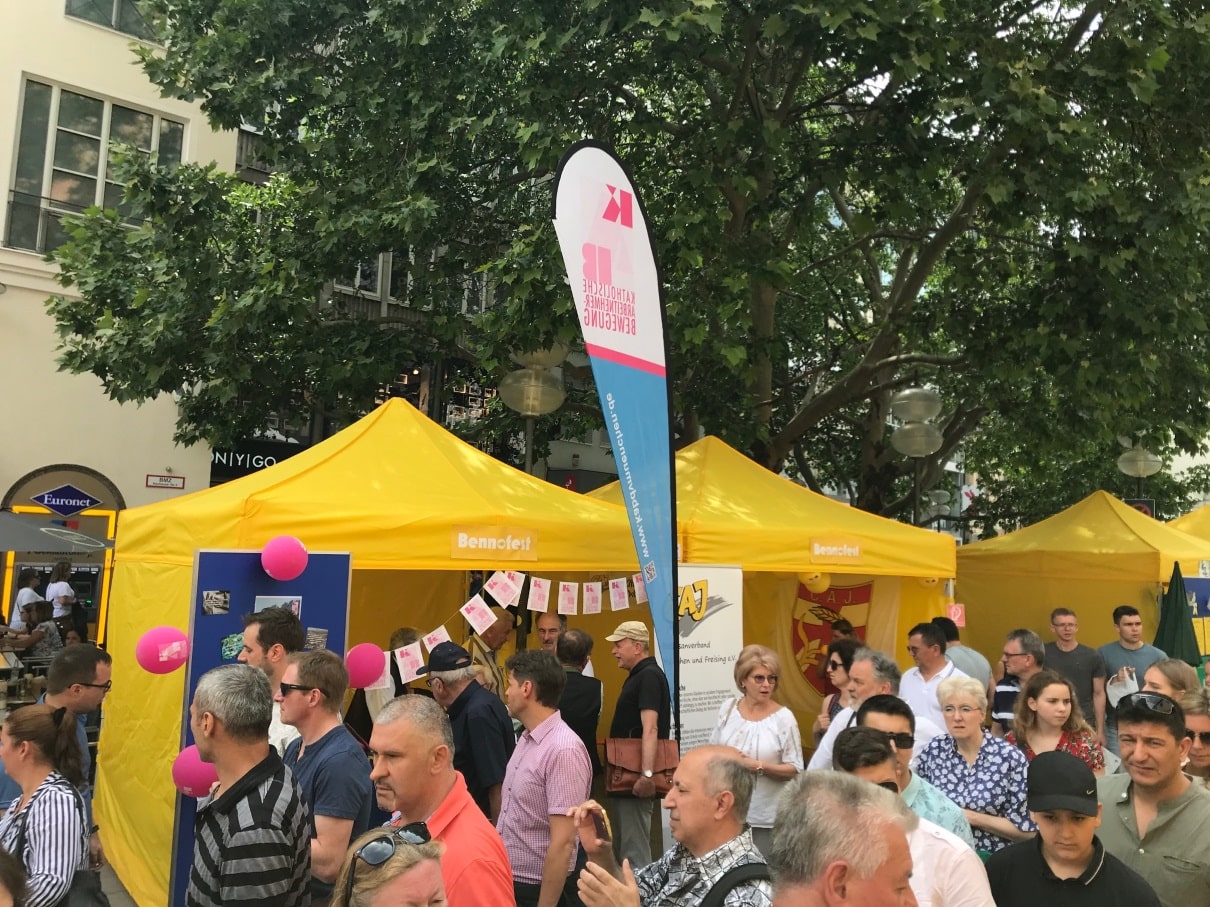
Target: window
63,145
121,15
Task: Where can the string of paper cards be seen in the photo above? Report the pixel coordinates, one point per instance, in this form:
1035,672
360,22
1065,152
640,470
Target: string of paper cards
505,587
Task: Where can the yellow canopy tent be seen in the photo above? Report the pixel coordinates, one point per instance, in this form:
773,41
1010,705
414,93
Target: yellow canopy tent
399,493
1091,557
884,576
1196,522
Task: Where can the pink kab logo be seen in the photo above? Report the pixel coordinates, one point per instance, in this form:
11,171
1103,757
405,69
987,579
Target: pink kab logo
620,209
598,263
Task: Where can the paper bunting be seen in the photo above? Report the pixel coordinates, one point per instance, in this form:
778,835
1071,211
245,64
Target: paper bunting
640,589
435,638
409,660
539,594
592,598
478,614
569,595
619,598
384,679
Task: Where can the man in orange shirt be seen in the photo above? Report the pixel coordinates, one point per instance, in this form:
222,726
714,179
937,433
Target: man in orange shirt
412,747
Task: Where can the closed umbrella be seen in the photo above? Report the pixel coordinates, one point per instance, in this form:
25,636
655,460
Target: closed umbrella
1175,634
29,535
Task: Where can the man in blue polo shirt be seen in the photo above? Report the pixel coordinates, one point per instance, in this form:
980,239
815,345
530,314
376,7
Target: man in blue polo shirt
330,766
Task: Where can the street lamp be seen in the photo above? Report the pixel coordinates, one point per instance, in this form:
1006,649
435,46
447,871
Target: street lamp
534,390
1139,462
916,437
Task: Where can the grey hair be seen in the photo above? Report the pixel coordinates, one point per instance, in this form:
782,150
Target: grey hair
239,697
454,677
428,717
724,771
885,668
826,817
954,687
1031,644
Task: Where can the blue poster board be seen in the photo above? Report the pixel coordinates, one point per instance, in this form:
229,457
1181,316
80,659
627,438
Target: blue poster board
322,596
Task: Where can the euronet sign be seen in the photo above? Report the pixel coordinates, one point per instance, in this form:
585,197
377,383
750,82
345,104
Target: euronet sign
504,543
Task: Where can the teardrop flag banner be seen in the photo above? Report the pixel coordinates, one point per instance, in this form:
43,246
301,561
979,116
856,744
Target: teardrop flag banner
614,276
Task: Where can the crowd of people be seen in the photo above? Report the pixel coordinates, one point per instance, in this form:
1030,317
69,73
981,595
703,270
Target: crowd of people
960,782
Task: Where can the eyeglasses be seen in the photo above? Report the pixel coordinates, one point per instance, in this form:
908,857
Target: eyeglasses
286,688
835,665
763,678
1012,654
902,741
379,850
106,686
1202,737
1152,702
889,785
959,709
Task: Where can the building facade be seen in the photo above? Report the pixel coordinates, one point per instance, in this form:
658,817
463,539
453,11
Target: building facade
69,85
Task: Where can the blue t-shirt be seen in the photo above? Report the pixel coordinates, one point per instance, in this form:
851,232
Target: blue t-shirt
334,776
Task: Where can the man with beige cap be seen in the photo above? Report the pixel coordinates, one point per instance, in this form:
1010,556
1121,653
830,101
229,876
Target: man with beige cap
644,709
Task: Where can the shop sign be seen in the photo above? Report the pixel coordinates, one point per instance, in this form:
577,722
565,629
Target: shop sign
496,543
66,500
835,551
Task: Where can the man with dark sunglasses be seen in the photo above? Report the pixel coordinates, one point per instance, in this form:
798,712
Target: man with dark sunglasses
894,717
412,750
1155,819
945,869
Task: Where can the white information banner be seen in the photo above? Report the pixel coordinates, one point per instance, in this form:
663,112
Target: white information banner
710,627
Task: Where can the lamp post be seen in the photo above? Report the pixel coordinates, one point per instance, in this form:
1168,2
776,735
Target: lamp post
917,437
533,390
1139,462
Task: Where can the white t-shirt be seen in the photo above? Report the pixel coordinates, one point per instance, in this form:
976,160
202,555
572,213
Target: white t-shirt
945,871
54,592
26,596
921,694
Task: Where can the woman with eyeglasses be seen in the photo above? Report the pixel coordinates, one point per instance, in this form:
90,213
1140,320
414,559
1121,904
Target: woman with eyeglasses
765,731
840,659
386,867
982,774
1196,706
1048,717
45,827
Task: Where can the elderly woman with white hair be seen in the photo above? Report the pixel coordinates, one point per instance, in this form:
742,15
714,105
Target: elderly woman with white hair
982,774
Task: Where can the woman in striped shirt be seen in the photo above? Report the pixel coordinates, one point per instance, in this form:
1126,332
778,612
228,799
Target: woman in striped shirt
44,827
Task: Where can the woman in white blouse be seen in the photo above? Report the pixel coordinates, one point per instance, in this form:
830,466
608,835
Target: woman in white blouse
765,731
45,827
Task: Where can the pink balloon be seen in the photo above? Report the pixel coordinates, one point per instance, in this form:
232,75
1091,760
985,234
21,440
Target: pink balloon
365,663
284,557
162,650
191,775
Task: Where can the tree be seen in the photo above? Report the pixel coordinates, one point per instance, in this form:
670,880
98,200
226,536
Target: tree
1004,199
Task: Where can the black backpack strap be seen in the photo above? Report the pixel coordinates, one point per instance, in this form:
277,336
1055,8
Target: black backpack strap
731,879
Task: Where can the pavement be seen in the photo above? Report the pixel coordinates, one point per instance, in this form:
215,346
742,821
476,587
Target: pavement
112,887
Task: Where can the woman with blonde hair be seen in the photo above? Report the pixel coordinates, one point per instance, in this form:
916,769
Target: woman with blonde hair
1172,677
45,827
765,731
982,774
1196,706
386,867
1048,717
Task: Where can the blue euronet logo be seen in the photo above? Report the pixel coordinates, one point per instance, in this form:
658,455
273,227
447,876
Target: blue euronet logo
66,500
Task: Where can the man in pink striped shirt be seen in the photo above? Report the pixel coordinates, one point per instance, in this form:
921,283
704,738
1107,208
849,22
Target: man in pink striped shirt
548,774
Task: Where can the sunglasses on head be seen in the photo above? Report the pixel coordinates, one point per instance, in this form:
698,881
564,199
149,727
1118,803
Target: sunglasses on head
377,851
1152,702
901,741
889,785
1202,737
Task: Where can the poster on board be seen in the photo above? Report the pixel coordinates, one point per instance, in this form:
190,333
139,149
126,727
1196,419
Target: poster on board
710,623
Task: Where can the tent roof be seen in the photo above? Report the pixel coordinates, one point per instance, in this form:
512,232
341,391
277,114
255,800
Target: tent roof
394,489
1097,538
1196,522
732,510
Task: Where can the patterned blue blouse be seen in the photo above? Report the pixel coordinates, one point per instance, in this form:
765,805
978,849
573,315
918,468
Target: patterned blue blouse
995,784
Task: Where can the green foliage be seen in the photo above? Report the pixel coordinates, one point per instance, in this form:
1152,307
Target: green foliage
1007,201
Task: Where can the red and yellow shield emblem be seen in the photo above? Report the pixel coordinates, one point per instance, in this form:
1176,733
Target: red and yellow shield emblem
814,614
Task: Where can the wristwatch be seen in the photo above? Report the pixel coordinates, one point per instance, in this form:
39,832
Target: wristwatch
648,773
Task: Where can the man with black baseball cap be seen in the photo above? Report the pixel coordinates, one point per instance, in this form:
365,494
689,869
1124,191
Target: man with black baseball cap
1066,863
483,732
